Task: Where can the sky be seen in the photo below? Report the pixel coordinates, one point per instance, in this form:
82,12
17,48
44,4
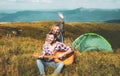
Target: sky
57,4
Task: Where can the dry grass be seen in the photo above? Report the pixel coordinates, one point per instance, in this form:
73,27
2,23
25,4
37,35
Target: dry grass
16,51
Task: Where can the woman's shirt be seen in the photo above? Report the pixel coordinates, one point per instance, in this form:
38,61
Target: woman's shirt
58,46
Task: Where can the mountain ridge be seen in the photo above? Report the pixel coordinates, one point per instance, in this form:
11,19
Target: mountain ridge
74,15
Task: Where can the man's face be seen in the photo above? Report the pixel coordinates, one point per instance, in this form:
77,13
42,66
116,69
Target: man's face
56,30
50,39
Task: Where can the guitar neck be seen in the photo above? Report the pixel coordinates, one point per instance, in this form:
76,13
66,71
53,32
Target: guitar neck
47,56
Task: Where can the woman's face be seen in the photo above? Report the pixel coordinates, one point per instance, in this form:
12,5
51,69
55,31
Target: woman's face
50,38
56,30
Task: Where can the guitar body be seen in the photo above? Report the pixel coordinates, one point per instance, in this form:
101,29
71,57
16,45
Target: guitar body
66,60
69,59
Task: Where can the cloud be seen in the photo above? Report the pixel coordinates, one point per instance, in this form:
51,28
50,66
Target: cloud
58,4
12,0
36,1
44,1
47,1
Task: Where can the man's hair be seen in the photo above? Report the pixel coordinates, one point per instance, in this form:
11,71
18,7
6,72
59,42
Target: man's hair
50,33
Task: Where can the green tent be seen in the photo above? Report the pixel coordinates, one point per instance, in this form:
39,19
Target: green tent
91,41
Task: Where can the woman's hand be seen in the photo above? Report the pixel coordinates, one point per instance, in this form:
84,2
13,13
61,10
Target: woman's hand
60,15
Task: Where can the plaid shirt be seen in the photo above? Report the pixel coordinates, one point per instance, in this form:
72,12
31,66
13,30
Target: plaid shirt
48,50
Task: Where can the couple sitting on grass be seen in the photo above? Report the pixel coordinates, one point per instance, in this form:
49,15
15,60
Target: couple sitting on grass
54,43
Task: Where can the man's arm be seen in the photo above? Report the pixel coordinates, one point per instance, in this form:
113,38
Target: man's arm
67,52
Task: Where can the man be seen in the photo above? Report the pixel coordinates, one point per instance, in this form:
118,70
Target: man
49,48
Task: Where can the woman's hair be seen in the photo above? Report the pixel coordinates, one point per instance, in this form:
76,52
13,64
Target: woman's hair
55,25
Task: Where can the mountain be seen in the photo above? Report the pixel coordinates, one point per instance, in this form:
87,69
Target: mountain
75,15
113,21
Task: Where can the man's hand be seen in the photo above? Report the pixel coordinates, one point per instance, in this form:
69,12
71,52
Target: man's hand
50,59
41,56
61,56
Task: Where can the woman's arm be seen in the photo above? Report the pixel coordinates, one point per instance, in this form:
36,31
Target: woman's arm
61,27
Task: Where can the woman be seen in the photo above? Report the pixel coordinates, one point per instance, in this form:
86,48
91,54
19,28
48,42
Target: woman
58,28
49,48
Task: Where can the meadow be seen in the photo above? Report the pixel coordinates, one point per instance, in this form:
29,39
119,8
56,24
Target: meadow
16,50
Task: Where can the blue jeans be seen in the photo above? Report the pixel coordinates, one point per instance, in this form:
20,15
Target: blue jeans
42,64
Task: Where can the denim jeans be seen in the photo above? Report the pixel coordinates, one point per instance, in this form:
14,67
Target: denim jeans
42,64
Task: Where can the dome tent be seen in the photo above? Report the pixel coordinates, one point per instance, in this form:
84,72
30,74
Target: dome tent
91,41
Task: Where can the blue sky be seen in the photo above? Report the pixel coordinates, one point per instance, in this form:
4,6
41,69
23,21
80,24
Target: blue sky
57,4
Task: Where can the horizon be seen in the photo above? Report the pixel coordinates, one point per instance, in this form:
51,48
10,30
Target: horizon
17,10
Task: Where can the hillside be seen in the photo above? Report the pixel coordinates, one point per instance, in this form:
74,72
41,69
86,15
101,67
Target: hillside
17,49
78,15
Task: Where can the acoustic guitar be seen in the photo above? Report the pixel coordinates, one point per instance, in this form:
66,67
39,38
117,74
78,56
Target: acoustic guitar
69,59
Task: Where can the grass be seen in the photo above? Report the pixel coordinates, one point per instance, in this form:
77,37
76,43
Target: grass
16,51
